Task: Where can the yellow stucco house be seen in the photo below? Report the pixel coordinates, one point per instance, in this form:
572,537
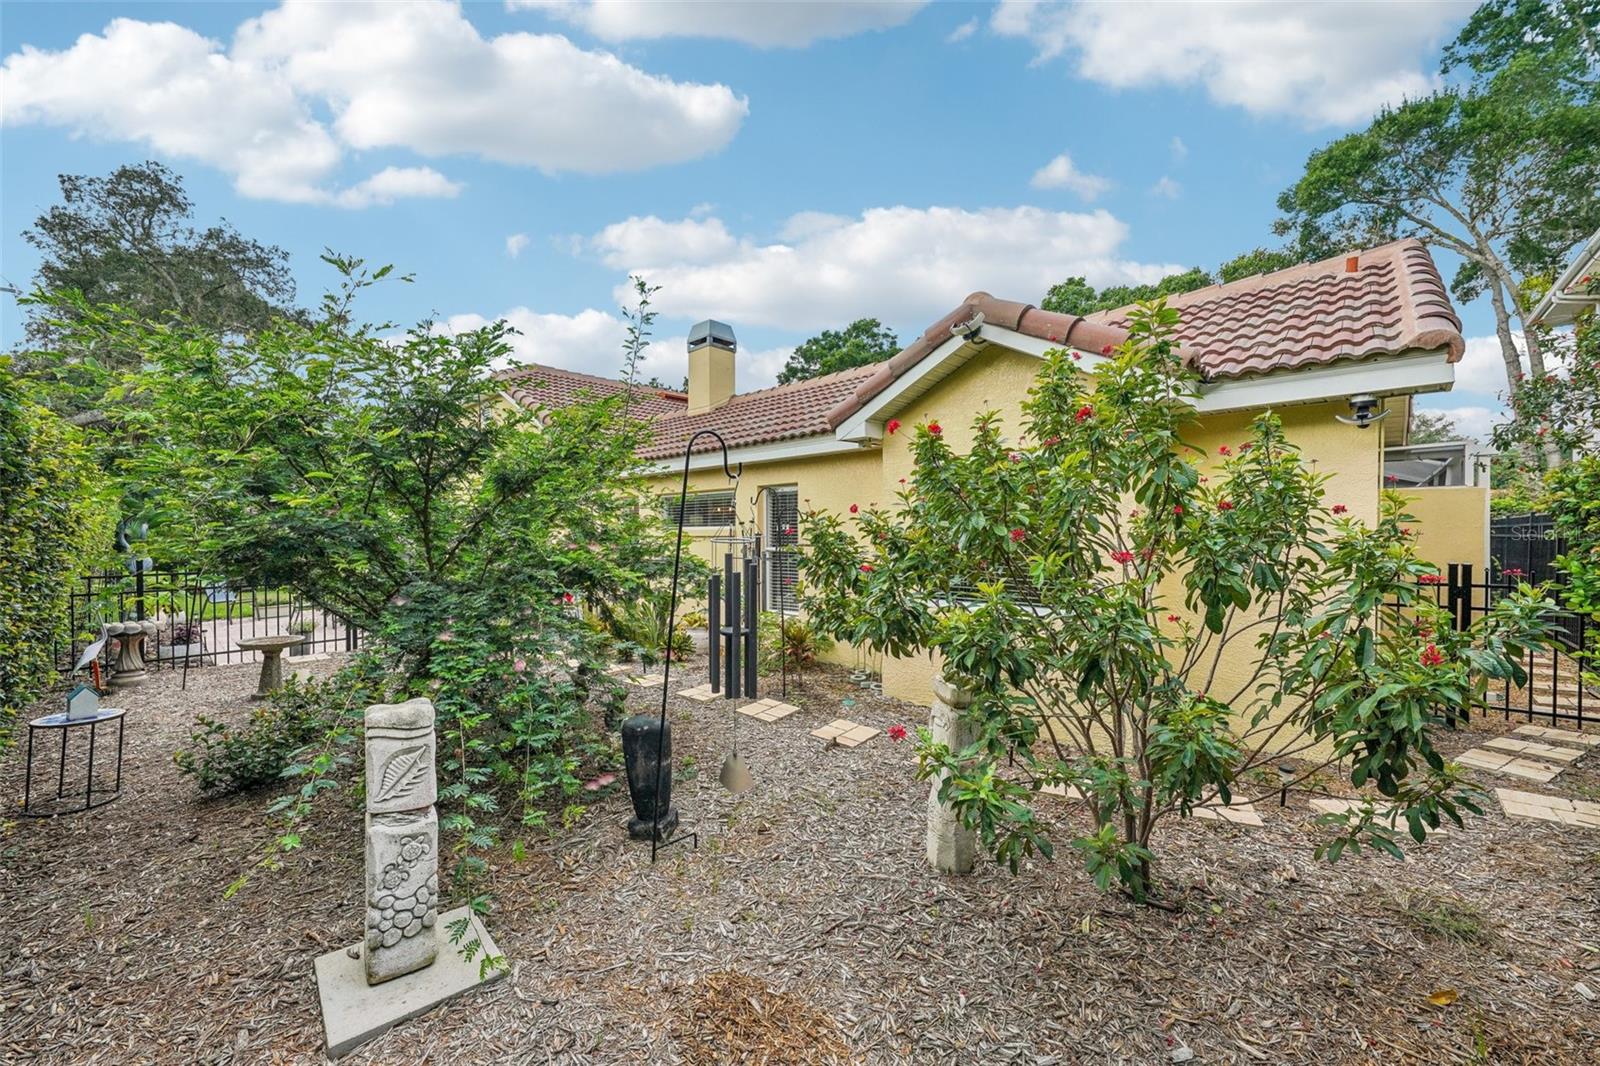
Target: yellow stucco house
1337,348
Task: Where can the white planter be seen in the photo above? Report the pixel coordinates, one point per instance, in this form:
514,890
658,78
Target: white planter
167,652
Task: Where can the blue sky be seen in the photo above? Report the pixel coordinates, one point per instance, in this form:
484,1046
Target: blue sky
786,169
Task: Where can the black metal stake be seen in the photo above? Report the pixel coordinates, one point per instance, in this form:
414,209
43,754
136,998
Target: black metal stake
672,612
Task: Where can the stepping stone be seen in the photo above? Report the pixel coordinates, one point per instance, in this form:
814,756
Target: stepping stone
703,693
618,668
646,681
1504,762
1566,735
1533,748
772,711
1237,814
1557,809
1066,792
845,733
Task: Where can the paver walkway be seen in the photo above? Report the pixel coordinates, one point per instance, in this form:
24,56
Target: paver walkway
702,693
845,733
1505,762
768,710
1549,808
1588,740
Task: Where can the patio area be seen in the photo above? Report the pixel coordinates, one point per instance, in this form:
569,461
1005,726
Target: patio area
807,926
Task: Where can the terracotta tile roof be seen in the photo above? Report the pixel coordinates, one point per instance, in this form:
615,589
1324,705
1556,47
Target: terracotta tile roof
1382,301
546,387
783,412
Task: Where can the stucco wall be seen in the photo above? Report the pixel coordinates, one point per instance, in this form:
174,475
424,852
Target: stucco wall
825,482
1452,524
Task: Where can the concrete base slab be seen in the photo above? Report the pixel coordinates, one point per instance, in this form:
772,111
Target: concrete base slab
354,1012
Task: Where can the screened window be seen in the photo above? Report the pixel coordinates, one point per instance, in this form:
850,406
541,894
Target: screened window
783,535
702,508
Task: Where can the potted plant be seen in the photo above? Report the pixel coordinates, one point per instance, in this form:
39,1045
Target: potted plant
183,640
305,627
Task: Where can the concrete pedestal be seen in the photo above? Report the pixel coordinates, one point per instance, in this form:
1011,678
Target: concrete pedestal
952,849
354,1012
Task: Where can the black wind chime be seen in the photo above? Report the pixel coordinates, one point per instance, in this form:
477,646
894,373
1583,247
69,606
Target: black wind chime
647,740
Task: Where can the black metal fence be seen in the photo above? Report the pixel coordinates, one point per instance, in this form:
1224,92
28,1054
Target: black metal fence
1525,547
199,617
1561,685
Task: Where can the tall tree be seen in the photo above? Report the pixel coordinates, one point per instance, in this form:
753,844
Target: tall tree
1501,171
1259,261
1076,296
1432,427
129,239
863,341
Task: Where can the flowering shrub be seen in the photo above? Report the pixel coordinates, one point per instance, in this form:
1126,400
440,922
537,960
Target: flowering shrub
1060,634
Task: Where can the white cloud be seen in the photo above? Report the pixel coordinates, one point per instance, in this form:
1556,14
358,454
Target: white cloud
591,342
1060,173
415,76
398,183
652,240
515,244
1180,151
901,264
1325,63
962,32
1167,188
755,22
1482,368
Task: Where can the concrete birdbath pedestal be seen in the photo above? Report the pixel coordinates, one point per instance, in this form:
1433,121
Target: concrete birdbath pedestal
271,649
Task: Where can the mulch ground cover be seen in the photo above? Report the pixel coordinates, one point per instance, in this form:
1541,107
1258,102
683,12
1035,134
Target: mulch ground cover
805,928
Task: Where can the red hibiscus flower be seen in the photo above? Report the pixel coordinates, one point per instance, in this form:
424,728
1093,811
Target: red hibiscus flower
894,424
1431,656
1177,508
1085,412
1391,478
866,568
1123,557
1051,442
1224,450
1107,349
935,428
1512,571
897,732
1431,579
1246,446
1015,457
1173,618
1340,508
854,508
1077,357
1225,506
566,597
1018,535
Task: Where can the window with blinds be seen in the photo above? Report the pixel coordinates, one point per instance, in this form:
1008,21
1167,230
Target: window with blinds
702,508
783,536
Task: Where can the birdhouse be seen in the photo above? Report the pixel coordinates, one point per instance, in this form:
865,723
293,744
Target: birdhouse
82,702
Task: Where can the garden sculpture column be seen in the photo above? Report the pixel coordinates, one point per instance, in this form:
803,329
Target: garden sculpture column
951,846
271,649
129,668
402,840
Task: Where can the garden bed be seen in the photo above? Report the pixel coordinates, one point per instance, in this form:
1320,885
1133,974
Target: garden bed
806,925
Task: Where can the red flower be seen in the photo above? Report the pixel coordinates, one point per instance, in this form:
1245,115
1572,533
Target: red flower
935,428
1015,457
1223,449
1512,571
1146,554
894,424
897,732
1051,338
1173,618
1391,478
1224,506
1077,357
788,531
1405,531
1431,656
854,508
902,481
1051,442
1107,349
1177,508
1018,535
1340,508
1123,557
866,568
1135,513
566,597
1431,579
1246,446
1085,412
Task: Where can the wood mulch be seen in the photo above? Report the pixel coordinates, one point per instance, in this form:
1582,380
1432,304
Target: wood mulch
806,927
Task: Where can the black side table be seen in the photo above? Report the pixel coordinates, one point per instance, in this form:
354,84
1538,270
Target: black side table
65,725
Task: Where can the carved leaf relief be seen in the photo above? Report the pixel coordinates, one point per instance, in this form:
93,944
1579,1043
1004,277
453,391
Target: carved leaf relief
402,773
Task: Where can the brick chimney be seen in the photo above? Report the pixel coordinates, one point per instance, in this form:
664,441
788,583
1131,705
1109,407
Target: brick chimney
711,377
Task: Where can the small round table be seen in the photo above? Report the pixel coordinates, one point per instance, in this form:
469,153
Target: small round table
61,722
271,649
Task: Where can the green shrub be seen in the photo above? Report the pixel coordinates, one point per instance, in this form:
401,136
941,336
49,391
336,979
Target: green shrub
55,523
796,640
693,620
225,759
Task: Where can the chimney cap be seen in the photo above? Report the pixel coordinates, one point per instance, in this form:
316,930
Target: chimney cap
713,333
